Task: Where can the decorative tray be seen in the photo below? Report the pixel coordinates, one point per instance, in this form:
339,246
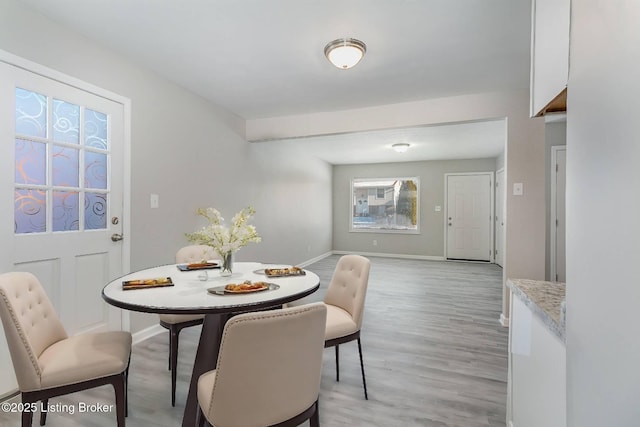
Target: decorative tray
236,289
198,266
284,272
159,282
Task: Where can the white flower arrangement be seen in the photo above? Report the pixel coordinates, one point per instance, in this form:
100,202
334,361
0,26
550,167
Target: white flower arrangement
225,240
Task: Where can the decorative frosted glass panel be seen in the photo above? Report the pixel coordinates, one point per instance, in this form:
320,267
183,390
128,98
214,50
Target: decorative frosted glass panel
95,170
95,129
30,208
66,167
95,210
61,165
66,119
31,161
31,113
65,211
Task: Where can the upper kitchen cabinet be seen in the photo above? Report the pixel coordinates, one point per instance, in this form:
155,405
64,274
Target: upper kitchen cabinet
549,55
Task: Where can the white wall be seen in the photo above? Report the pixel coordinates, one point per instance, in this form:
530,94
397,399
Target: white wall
524,157
430,241
603,205
188,151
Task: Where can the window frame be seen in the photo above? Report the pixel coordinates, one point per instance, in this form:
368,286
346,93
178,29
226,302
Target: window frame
352,206
53,145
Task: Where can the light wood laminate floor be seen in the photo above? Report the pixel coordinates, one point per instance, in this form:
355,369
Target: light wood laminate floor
434,353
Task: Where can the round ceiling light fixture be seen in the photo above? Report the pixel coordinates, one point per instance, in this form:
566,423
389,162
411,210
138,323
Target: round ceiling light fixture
345,53
400,147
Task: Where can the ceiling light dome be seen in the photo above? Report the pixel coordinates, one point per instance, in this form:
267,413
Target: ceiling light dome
345,53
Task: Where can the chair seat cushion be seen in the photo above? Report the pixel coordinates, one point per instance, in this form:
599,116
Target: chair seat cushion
339,323
172,319
85,357
205,388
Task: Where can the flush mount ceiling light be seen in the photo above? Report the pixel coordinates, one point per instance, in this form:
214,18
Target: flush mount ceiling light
400,147
345,53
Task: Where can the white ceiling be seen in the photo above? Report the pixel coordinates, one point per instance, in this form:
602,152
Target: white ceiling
260,58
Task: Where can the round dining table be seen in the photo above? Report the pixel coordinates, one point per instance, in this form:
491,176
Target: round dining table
201,291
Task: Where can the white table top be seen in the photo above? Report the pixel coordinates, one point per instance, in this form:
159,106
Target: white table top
189,294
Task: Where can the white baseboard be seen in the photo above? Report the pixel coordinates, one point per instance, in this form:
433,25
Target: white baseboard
147,333
504,321
10,395
386,255
316,259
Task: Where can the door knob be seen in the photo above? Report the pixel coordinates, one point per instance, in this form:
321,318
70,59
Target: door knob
115,237
449,224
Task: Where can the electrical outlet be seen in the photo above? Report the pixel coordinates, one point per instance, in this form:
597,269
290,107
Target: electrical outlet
375,243
518,189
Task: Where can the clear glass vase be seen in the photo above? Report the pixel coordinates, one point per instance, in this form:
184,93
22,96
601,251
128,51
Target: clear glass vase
227,264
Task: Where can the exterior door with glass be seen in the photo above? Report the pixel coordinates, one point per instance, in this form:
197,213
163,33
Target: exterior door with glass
61,198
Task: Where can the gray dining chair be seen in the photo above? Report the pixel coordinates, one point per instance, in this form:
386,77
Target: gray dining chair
345,306
177,322
268,370
49,363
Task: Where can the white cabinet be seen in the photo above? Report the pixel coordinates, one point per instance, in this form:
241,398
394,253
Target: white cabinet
536,393
549,53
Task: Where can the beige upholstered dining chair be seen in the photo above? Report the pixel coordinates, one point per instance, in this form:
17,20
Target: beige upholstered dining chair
176,322
268,370
49,363
345,305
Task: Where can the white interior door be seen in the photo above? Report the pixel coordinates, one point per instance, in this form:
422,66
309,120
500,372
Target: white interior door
558,215
61,191
469,216
499,218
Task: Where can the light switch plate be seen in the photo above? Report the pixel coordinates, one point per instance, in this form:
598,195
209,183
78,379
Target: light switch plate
438,208
155,201
518,189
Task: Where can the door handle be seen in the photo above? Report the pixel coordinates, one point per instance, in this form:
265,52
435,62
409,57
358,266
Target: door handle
115,237
449,224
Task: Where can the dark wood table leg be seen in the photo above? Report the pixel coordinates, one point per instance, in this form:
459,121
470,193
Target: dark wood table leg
206,359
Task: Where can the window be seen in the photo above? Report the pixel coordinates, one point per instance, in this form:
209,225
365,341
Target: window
61,158
385,204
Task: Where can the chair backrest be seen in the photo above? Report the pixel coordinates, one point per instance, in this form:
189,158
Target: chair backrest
269,366
348,286
195,253
30,324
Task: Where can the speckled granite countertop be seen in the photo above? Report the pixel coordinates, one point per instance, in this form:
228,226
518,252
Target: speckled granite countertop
545,299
